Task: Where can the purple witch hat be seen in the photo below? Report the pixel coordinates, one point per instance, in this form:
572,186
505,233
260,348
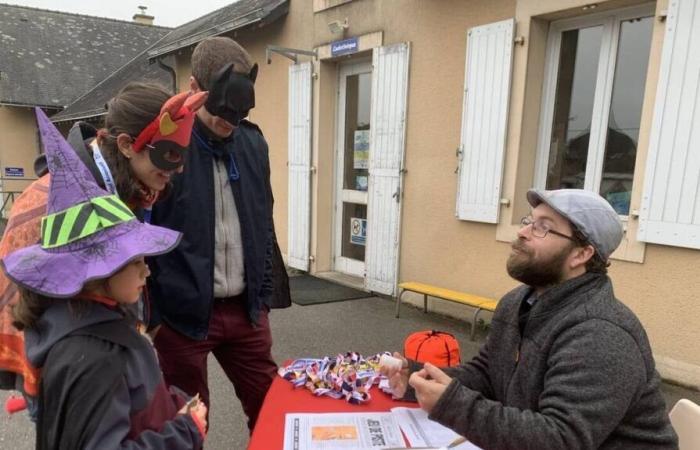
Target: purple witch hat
87,233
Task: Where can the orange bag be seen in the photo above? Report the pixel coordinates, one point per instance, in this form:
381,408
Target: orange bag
436,347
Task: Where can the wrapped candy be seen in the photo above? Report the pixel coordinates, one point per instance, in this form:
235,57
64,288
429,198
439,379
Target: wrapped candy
348,376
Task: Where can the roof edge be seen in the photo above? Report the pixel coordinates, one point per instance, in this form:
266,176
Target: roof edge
261,15
79,116
30,105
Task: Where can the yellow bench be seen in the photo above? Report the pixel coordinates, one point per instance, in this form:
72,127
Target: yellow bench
480,303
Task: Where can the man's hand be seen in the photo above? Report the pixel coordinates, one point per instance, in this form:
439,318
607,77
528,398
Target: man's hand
430,383
398,378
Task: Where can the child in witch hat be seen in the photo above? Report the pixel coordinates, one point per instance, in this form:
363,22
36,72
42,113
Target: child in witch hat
101,387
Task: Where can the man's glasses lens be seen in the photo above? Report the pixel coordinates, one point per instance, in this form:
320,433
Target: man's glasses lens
538,228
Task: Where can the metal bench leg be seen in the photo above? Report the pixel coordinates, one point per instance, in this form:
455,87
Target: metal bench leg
398,303
425,303
472,333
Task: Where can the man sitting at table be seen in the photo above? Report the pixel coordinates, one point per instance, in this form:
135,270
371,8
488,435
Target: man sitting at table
566,364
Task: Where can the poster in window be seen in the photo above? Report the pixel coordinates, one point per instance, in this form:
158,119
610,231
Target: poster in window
361,149
358,231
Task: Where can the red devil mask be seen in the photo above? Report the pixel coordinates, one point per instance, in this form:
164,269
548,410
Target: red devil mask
168,135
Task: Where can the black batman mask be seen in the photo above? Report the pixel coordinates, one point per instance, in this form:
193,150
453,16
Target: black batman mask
232,94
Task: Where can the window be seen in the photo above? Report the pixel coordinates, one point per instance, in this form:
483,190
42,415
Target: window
592,103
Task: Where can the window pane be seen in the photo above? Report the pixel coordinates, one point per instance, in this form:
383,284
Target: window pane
357,110
573,107
625,112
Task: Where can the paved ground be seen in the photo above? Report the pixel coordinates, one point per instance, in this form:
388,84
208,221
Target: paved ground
367,326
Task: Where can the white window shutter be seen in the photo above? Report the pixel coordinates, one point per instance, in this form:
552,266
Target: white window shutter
299,147
484,120
670,209
387,142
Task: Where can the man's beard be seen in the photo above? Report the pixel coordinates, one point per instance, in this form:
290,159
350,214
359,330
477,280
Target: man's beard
523,267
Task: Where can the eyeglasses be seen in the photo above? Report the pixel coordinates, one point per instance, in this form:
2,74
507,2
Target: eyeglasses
540,228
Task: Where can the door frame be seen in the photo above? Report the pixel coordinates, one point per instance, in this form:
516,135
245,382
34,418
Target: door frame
340,263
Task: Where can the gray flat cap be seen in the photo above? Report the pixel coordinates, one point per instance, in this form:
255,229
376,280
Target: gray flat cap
588,211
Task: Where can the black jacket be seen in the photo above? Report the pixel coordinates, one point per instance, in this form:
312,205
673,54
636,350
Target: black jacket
182,281
101,386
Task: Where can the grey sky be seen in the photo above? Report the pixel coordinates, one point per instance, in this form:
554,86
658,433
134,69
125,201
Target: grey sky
169,13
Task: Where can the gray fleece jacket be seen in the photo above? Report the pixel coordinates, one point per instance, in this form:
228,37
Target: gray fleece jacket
581,376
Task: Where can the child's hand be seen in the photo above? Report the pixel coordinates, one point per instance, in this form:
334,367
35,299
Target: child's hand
198,410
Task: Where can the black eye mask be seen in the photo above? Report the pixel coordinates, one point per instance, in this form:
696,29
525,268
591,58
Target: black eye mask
232,94
166,155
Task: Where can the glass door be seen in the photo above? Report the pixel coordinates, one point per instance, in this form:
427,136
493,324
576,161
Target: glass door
352,167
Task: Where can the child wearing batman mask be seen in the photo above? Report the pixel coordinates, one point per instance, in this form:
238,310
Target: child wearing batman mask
212,294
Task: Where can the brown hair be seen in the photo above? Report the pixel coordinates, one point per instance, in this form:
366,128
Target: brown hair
596,264
31,305
130,111
212,54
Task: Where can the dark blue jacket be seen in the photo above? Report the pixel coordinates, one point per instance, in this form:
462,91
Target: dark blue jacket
182,281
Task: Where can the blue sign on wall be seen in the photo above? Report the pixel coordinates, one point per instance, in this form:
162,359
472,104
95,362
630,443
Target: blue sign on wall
344,47
14,171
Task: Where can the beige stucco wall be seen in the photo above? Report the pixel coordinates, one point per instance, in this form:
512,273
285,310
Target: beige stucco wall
656,282
437,248
19,145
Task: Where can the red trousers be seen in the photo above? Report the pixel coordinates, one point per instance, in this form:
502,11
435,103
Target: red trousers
243,351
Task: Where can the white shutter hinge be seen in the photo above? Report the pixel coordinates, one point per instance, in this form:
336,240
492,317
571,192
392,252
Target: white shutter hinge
505,202
520,40
397,194
312,169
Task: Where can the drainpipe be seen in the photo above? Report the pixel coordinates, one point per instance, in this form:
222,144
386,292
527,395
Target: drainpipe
170,70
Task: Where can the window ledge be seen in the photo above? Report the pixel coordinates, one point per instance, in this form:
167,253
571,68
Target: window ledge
322,5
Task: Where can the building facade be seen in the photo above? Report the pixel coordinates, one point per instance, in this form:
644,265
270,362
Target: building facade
404,134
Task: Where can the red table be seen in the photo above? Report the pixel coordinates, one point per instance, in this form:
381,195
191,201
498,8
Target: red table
283,398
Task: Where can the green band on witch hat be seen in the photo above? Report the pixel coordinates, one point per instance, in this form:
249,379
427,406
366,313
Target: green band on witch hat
82,220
